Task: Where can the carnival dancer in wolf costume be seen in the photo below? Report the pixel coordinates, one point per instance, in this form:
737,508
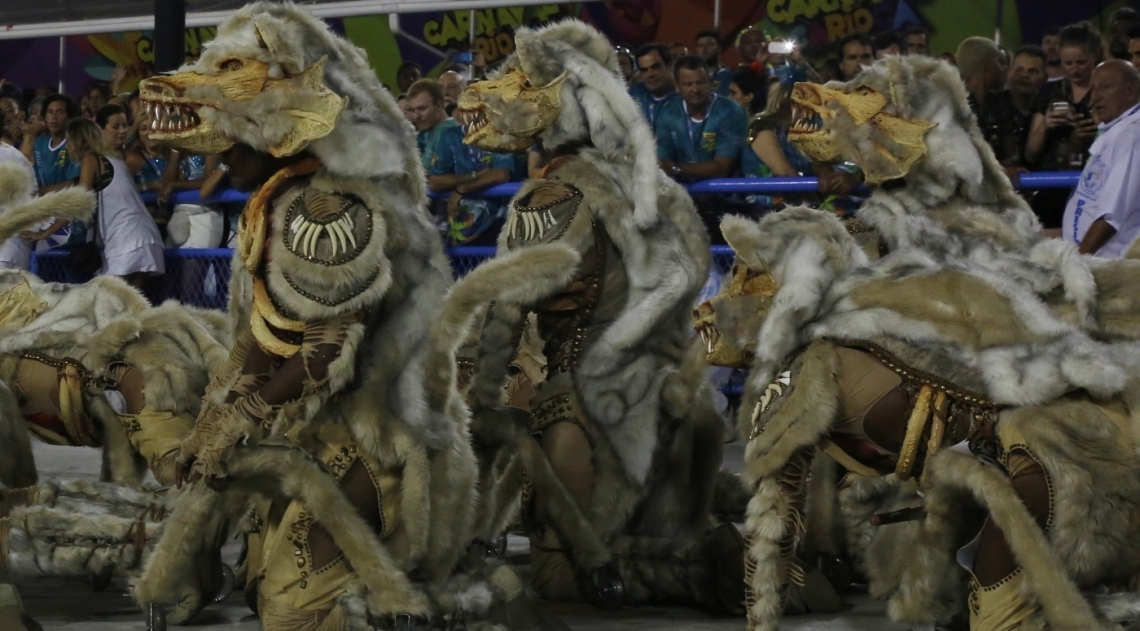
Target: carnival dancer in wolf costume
621,476
984,337
337,418
91,365
64,347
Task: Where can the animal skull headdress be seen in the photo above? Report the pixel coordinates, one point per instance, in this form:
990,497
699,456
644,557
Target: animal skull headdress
563,86
279,80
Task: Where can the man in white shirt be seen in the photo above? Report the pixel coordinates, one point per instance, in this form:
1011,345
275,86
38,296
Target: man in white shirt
1103,214
15,253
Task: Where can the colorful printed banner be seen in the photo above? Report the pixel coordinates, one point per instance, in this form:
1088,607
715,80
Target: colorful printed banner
814,23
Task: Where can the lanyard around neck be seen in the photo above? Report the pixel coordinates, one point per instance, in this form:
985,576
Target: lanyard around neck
694,129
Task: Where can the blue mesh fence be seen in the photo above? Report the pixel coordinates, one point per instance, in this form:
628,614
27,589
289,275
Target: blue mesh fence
193,277
201,277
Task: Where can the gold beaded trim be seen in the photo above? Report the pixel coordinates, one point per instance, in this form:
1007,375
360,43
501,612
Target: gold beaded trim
557,409
299,536
575,195
130,423
339,301
920,377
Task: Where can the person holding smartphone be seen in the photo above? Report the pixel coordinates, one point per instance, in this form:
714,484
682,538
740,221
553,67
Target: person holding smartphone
1061,113
1061,130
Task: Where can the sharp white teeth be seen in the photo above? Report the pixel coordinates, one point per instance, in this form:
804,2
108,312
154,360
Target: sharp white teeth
513,228
154,124
710,345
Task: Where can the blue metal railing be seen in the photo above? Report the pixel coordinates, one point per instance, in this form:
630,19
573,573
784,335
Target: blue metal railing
200,276
1027,181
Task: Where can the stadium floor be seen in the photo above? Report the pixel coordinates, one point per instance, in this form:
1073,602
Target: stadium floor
71,606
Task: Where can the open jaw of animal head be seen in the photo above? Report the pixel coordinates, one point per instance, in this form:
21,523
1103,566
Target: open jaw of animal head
884,146
507,114
239,100
729,322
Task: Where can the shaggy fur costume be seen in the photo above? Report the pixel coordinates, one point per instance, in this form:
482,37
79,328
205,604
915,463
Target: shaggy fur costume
394,377
971,293
176,348
974,329
392,384
639,380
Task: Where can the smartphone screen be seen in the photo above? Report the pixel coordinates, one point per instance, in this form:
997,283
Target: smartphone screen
781,48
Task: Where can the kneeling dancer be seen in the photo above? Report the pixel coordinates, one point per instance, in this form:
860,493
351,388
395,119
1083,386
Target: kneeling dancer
336,425
621,445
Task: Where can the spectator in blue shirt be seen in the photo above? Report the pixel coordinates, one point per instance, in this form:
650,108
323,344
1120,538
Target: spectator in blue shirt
655,90
708,47
700,135
457,168
45,146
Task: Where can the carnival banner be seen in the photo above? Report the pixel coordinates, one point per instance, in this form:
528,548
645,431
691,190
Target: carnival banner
433,39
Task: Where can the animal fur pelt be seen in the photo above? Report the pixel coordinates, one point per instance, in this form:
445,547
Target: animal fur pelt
71,313
976,321
47,541
70,317
947,472
621,373
23,211
1087,449
795,421
956,200
370,140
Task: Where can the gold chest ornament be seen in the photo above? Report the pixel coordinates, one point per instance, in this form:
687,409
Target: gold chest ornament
251,244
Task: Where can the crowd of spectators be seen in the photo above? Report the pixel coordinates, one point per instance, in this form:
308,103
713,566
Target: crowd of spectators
1046,107
102,142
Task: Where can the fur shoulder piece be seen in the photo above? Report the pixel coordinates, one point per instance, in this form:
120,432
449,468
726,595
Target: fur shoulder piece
805,250
327,252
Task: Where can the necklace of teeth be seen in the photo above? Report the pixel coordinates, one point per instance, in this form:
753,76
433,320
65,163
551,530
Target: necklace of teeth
532,223
774,389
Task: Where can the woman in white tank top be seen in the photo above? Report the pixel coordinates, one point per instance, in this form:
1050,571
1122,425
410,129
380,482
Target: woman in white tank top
131,243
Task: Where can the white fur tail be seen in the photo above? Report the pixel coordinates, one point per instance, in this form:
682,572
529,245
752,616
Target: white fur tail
522,277
73,204
1120,607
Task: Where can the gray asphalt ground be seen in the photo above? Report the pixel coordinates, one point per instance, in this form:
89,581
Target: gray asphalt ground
71,606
